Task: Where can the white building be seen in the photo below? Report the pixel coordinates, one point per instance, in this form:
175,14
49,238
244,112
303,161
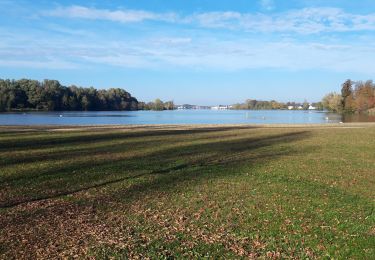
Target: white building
220,108
311,107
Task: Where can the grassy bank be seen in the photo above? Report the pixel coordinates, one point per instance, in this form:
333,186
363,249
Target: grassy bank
215,191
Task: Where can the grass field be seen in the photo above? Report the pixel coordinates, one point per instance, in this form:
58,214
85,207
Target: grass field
187,192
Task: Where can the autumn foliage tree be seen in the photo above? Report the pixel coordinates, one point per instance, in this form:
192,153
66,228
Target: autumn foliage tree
361,99
357,99
347,96
364,96
332,102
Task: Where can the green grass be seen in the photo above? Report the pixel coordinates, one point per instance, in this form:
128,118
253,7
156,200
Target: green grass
187,192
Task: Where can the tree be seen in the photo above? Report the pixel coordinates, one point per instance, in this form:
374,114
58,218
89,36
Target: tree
238,106
347,95
51,94
169,105
332,102
364,96
318,105
142,106
251,104
85,103
305,105
158,105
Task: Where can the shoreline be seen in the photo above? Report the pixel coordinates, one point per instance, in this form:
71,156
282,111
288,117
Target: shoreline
180,126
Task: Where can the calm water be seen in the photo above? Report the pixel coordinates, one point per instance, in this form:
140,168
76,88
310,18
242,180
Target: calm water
174,117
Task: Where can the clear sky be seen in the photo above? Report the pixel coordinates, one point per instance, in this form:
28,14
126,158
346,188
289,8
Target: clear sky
192,51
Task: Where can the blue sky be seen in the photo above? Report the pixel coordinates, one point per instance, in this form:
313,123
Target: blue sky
197,51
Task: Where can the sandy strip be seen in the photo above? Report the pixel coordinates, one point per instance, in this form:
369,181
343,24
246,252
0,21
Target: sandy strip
22,128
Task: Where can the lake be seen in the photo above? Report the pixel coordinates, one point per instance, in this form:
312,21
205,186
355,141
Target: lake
176,117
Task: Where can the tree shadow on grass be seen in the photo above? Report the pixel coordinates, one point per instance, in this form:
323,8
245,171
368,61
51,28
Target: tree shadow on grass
119,144
55,139
162,169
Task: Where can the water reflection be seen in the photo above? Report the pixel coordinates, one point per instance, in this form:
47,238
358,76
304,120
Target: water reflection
358,118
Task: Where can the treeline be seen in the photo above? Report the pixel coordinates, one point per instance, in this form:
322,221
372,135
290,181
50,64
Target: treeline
355,97
156,105
252,104
50,95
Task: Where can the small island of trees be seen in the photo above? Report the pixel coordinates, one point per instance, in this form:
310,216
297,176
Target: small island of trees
252,104
156,105
50,95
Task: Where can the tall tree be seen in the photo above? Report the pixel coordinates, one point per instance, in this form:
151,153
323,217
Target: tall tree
347,95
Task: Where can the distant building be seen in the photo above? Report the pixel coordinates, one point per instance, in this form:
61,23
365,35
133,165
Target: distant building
311,107
220,107
187,106
290,107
